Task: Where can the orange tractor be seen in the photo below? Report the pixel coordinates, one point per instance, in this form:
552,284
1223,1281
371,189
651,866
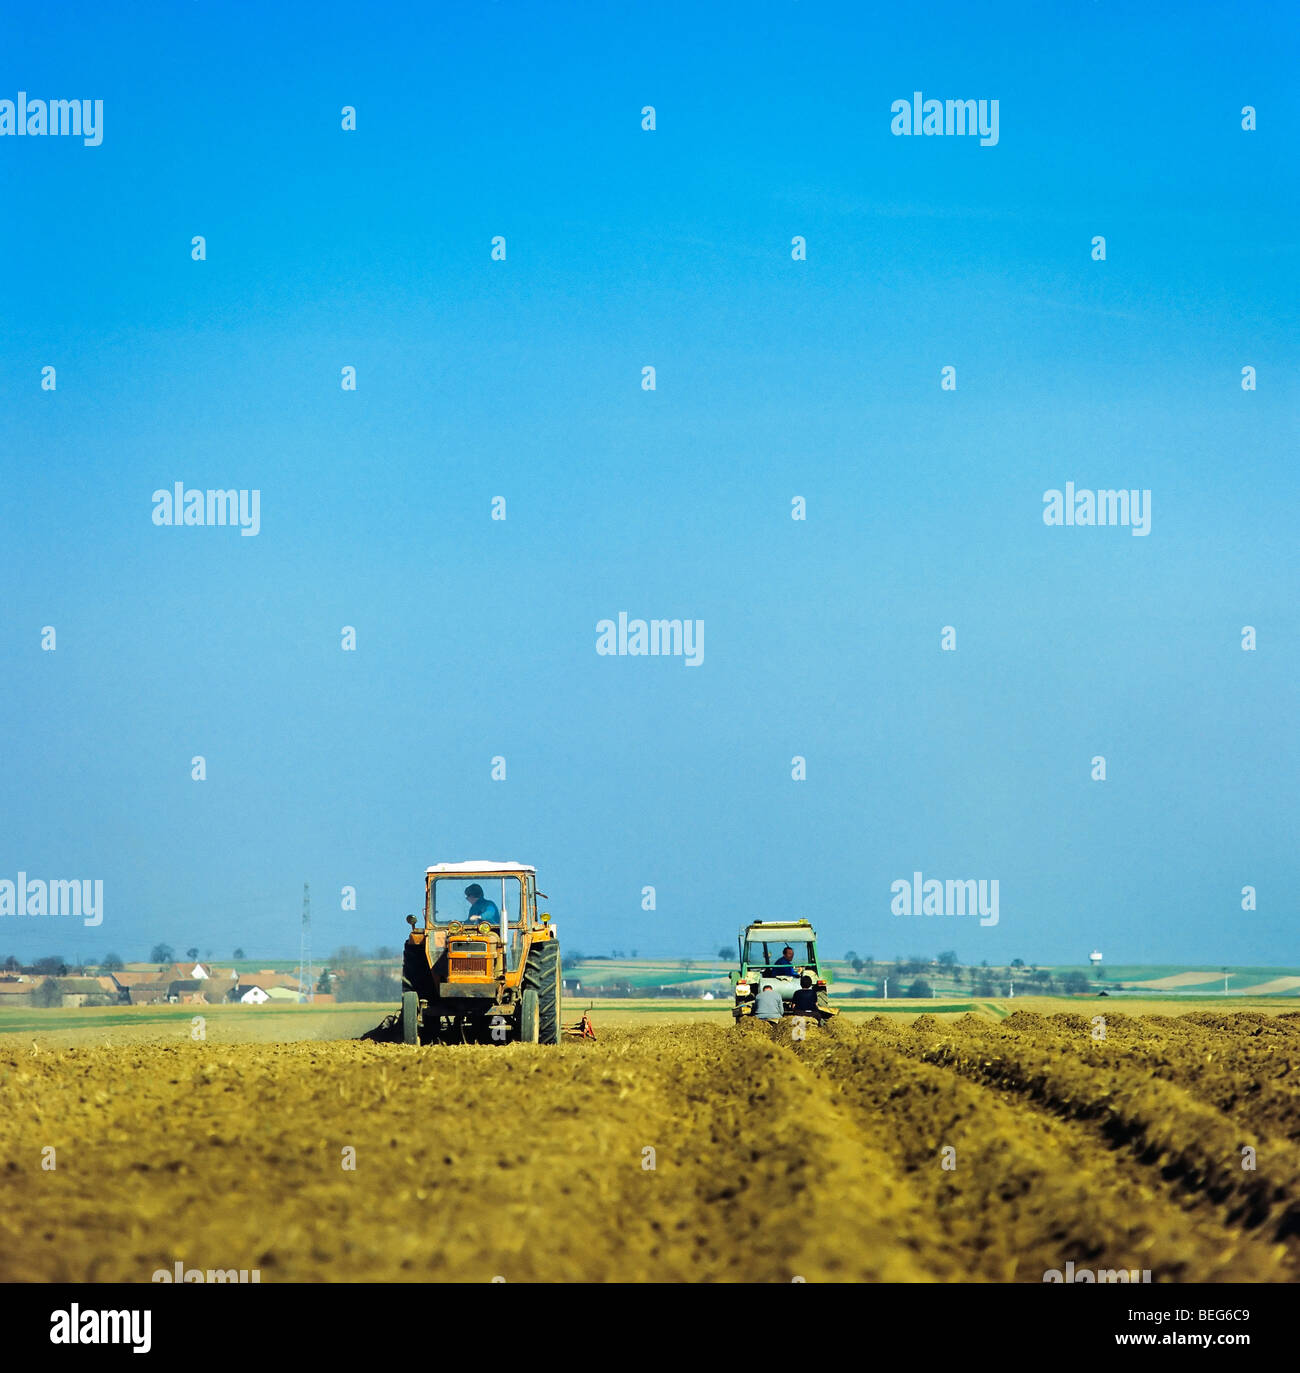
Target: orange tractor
485,966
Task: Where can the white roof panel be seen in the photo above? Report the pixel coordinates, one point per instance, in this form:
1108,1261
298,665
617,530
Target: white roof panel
788,934
482,866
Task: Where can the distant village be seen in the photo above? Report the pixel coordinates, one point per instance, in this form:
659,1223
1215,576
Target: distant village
191,983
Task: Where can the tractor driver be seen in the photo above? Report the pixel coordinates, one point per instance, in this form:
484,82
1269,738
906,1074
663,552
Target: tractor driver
785,964
480,908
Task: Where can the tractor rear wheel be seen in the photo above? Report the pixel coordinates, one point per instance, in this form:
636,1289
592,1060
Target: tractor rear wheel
543,974
528,1017
410,1018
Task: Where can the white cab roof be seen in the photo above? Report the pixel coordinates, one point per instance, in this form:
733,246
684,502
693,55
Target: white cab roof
483,866
780,934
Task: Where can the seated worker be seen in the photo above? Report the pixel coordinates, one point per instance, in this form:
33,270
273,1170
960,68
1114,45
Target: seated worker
768,1004
784,966
479,907
806,1001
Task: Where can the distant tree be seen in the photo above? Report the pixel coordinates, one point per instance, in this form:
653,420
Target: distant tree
684,964
383,954
1075,983
12,964
857,964
985,988
633,953
1017,962
323,984
160,953
112,963
724,952
239,953
948,959
48,994
920,988
52,965
349,956
365,984
192,953
571,958
850,956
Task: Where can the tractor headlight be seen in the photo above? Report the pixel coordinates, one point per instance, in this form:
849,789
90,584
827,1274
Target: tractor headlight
742,988
484,927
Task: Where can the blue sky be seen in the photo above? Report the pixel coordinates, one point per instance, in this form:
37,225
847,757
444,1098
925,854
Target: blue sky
775,379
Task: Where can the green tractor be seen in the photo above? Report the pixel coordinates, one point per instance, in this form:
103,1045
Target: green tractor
763,960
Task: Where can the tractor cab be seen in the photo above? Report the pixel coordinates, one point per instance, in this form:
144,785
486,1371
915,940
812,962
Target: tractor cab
475,922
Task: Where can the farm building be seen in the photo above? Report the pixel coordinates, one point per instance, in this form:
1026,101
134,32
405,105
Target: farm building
267,979
127,979
16,991
187,992
148,993
199,972
84,991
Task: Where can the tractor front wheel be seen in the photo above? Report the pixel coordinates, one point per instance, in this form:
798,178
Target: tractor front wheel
410,1018
528,1017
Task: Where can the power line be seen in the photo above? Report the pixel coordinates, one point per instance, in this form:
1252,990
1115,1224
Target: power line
306,989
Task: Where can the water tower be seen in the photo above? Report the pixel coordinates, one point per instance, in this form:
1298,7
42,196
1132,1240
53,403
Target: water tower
1095,958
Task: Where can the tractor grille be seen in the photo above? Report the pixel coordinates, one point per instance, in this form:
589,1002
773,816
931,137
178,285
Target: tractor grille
462,963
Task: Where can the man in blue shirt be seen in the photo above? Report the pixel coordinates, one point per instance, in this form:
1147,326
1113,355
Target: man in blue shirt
784,966
480,908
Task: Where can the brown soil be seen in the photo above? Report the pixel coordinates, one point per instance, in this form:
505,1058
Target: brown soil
773,1158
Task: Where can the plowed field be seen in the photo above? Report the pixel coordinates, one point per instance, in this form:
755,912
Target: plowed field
684,1153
